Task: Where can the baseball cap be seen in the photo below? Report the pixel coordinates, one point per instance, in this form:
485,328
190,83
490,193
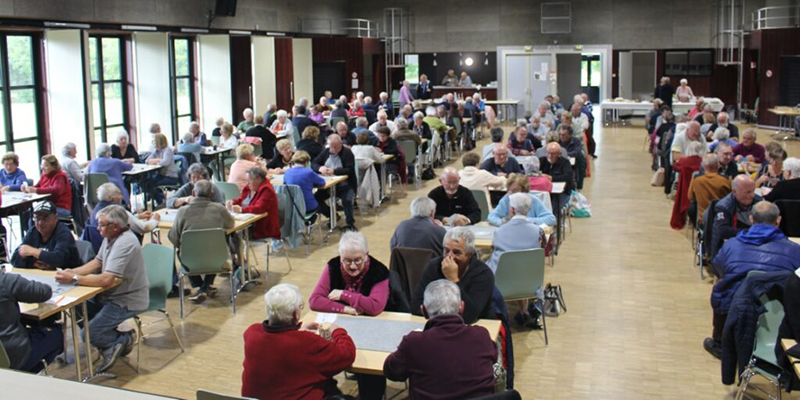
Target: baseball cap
45,207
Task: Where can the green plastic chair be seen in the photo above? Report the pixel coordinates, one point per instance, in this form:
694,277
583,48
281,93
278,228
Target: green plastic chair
296,136
93,181
204,251
519,275
5,362
483,203
209,395
158,262
410,150
335,121
229,190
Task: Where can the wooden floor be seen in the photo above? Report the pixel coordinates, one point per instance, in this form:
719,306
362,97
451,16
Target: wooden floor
638,310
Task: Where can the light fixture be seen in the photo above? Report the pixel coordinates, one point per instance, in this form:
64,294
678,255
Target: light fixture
460,59
486,58
434,59
468,61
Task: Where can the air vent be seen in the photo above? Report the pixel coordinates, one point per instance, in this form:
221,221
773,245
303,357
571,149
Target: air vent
556,18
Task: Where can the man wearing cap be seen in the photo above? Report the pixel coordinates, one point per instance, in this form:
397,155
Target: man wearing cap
49,244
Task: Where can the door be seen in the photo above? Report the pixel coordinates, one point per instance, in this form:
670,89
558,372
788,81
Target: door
241,76
569,76
517,80
330,76
591,76
284,74
643,74
625,75
539,68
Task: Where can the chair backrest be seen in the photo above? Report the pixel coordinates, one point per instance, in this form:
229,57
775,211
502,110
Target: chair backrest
85,250
544,197
209,395
520,273
215,140
409,148
790,217
296,136
5,362
409,264
229,190
767,331
190,158
483,202
335,121
159,262
457,124
92,182
204,251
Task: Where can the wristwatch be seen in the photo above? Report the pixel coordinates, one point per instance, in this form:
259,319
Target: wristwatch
74,279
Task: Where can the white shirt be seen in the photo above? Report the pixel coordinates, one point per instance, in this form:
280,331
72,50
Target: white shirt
390,124
229,143
366,152
477,179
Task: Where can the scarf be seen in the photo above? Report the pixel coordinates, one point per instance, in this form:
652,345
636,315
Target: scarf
353,284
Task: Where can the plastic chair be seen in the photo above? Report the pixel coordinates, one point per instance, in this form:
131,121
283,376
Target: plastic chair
215,140
296,135
763,362
335,121
409,148
85,250
5,362
483,203
229,190
158,262
520,275
204,251
790,217
209,395
92,182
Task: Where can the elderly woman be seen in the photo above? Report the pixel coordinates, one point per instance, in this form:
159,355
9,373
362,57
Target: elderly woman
282,127
684,92
405,94
365,152
248,120
283,156
55,183
536,180
245,160
183,196
168,174
68,163
538,213
652,115
707,123
720,135
699,104
286,360
310,143
11,176
301,175
105,164
141,223
356,110
227,140
771,171
789,187
316,114
123,149
259,197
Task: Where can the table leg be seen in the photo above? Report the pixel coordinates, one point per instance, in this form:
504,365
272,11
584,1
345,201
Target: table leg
557,201
383,181
75,338
333,213
88,341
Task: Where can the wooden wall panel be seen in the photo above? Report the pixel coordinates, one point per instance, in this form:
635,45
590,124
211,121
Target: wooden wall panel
348,50
284,73
241,76
771,45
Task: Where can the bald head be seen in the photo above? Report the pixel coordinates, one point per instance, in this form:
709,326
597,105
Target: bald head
765,212
693,130
553,152
743,189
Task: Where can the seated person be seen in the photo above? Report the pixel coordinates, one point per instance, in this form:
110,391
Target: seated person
283,155
184,195
789,187
197,136
55,183
478,179
11,177
707,187
362,125
113,167
501,164
120,258
68,163
555,167
356,111
340,111
460,265
267,138
387,146
422,230
383,122
245,160
538,213
496,135
570,143
536,180
301,175
732,212
49,244
316,114
723,121
247,123
680,144
727,167
167,174
771,171
434,360
762,247
200,213
348,138
124,150
537,129
228,140
519,143
420,127
364,152
26,347
455,204
109,194
403,133
310,142
337,160
188,145
718,136
259,197
748,149
286,360
434,122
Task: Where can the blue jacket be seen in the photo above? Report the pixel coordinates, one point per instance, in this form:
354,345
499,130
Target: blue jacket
539,214
114,169
58,252
762,247
726,224
307,179
516,234
13,181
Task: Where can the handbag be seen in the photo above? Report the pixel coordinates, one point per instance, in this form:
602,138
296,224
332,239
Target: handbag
658,177
554,304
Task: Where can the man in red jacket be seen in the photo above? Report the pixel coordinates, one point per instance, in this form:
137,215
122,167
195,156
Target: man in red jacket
283,360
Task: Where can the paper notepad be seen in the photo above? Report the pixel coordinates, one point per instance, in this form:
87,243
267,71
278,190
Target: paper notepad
243,216
325,318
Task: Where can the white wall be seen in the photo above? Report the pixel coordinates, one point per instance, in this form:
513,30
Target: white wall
214,75
263,59
303,62
65,94
151,79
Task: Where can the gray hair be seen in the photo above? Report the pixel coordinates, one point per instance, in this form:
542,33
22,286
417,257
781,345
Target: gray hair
401,123
361,121
115,215
122,133
282,303
339,104
422,207
710,162
532,167
792,165
353,241
197,169
449,171
751,132
247,111
188,137
103,150
521,203
303,101
382,113
203,188
257,172
281,114
765,212
68,148
107,191
721,134
695,149
442,297
419,115
461,234
722,145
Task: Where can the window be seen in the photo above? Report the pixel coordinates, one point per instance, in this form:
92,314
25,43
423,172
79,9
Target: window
19,106
108,88
689,62
182,71
591,70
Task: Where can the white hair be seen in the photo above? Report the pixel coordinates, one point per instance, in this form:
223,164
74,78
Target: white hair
792,165
359,95
442,297
353,241
422,207
721,134
362,121
750,132
247,111
533,167
368,100
401,123
384,94
520,202
282,303
695,149
461,234
545,104
684,81
449,171
476,96
107,191
115,215
188,137
419,115
282,114
382,113
122,133
103,150
69,147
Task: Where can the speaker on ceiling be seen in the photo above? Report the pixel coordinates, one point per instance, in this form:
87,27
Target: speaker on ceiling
225,8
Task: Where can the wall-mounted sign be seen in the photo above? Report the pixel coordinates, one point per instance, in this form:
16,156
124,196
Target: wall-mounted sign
769,73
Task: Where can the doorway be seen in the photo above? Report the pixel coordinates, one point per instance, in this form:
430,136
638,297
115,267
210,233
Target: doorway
329,76
528,79
241,75
591,76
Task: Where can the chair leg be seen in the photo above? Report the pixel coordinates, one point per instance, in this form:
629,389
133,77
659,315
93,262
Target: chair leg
286,254
139,338
180,290
544,326
174,332
233,293
269,246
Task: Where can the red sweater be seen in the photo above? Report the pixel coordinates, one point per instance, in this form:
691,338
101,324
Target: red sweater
282,362
265,201
57,186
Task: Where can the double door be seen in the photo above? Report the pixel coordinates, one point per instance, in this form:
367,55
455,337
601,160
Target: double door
528,80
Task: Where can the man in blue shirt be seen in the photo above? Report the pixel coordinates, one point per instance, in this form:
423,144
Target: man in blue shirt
48,245
501,164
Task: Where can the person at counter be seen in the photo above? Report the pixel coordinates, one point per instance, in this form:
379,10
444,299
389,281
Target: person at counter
465,80
424,88
450,79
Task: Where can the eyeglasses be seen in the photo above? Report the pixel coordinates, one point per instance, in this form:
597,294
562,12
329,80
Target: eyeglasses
357,261
103,224
455,252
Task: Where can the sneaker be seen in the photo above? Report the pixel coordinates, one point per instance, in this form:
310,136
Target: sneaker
713,347
533,323
519,318
175,293
198,297
110,356
212,292
129,344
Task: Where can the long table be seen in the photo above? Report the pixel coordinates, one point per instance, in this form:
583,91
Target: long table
785,114
21,385
678,107
507,104
19,202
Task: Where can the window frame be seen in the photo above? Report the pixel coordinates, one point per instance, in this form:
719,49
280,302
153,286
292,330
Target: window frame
688,70
6,88
191,79
101,84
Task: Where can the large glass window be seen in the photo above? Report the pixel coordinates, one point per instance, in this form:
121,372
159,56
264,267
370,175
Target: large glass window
689,62
108,89
182,70
19,122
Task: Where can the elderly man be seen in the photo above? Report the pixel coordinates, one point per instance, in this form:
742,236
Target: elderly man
49,244
707,187
403,133
383,121
267,138
460,265
300,120
519,233
141,223
450,79
501,164
362,125
749,150
433,121
580,122
455,204
557,169
119,259
105,164
406,113
496,136
537,213
184,196
348,138
68,163
680,144
727,168
762,247
340,111
474,178
789,187
385,103
435,361
337,160
248,120
537,128
465,80
199,137
731,214
201,213
286,360
723,121
546,115
422,230
574,148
